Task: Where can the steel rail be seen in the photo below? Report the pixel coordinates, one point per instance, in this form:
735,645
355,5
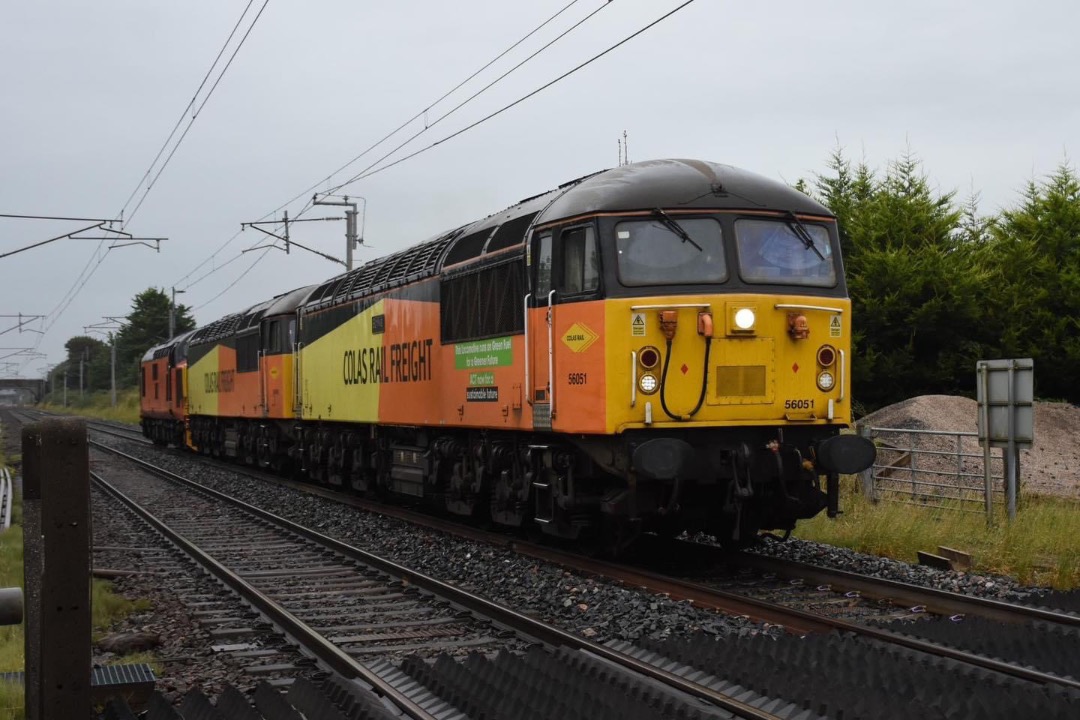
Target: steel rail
500,614
776,613
942,602
321,648
116,432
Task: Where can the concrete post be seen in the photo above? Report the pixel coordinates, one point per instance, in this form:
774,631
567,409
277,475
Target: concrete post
56,531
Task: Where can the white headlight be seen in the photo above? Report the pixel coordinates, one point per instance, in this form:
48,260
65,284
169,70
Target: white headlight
648,383
825,380
744,318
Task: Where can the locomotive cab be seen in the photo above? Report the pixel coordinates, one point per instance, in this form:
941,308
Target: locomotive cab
702,354
163,391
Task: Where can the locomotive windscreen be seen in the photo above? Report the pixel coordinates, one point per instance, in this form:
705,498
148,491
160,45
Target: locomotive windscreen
775,252
652,252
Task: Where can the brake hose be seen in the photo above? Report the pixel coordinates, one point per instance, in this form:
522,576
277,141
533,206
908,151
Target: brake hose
704,383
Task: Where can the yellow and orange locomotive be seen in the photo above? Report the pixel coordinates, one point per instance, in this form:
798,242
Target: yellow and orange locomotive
663,346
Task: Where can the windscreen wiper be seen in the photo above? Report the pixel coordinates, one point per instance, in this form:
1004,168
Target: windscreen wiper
802,233
668,222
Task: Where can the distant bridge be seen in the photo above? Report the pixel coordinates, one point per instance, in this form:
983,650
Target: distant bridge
21,389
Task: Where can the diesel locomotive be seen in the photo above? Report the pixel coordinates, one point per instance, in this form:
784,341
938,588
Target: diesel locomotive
659,347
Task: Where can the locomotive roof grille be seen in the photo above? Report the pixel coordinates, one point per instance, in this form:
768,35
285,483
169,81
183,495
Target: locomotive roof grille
401,268
510,233
217,330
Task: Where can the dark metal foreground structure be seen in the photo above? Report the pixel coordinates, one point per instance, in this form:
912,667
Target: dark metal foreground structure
56,525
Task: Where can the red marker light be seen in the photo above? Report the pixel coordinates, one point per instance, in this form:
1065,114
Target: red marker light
649,358
826,355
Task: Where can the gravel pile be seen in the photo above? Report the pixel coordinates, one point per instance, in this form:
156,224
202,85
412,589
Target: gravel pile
1050,467
590,607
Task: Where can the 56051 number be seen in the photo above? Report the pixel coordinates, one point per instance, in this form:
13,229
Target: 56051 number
798,404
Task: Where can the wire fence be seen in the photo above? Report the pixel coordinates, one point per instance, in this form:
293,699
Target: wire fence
934,468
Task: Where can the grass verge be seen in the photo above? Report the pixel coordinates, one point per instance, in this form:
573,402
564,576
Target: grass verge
11,636
107,608
1041,547
98,405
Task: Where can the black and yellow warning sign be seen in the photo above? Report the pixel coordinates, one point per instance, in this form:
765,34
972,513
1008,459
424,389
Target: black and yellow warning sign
637,325
834,326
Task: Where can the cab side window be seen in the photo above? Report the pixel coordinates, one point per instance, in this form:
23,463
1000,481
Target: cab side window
544,262
274,343
580,262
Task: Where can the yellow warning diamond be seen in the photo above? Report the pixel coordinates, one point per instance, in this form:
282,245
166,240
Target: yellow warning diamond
579,337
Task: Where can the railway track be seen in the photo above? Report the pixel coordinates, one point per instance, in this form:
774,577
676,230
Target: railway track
115,429
796,619
904,595
319,590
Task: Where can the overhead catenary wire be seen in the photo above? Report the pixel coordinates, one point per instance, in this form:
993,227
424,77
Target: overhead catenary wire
457,87
101,251
91,266
475,95
184,112
368,172
238,278
195,115
307,192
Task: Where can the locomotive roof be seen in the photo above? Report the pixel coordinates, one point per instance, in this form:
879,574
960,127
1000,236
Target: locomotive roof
245,320
687,184
163,349
217,330
675,184
288,302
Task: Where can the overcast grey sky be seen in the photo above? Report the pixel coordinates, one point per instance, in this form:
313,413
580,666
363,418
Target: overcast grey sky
984,92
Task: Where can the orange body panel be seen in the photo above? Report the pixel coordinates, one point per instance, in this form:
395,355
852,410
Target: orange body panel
159,398
244,397
277,379
412,364
580,373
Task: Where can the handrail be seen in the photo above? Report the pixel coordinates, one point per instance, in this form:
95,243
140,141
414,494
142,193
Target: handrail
528,357
798,306
843,375
551,354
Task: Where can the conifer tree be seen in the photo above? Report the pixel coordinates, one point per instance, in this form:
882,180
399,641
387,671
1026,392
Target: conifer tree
1035,251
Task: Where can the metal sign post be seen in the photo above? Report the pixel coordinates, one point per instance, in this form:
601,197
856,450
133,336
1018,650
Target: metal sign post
1006,395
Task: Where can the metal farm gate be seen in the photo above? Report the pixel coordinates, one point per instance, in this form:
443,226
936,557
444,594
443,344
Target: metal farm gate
934,468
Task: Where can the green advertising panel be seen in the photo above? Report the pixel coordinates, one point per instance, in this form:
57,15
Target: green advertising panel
495,352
